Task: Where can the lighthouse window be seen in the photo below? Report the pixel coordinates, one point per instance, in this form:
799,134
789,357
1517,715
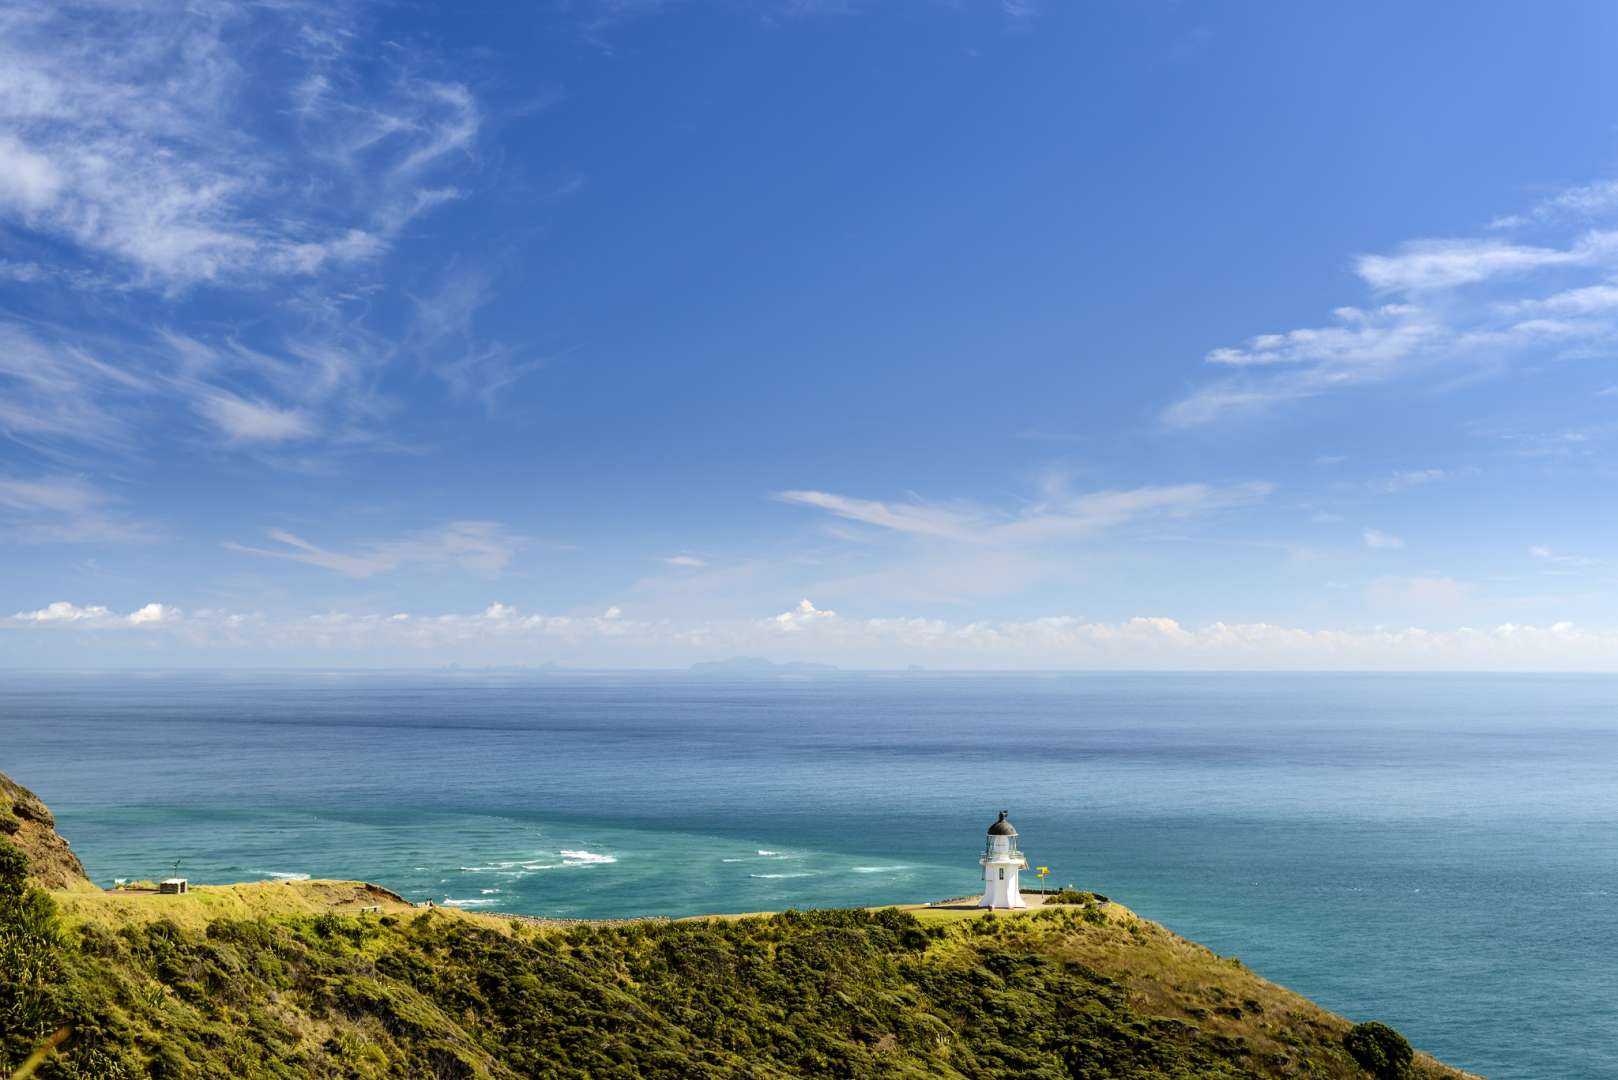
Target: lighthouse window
1002,873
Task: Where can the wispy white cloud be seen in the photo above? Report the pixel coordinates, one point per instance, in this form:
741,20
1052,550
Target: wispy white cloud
1560,560
1570,442
1419,593
243,421
482,547
61,388
1377,540
599,16
147,148
1426,265
1020,9
1464,303
1405,479
53,391
64,510
1582,202
684,561
319,387
470,366
1586,300
135,133
1061,515
1362,338
955,522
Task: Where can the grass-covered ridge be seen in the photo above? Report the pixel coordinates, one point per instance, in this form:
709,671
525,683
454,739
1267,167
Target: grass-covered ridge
298,980
1072,992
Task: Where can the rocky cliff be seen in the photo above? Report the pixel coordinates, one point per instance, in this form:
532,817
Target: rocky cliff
26,822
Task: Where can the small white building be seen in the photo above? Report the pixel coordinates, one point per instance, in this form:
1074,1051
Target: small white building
1001,862
174,885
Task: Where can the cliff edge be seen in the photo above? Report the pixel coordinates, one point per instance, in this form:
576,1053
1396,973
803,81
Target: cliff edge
333,979
26,822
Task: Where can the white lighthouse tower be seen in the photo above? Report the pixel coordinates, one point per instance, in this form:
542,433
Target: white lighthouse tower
1001,861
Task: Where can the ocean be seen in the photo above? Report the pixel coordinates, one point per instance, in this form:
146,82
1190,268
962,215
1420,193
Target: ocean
1436,851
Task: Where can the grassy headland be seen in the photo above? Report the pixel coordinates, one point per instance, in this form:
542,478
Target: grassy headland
294,980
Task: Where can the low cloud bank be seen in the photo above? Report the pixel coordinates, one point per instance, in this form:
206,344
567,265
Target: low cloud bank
502,634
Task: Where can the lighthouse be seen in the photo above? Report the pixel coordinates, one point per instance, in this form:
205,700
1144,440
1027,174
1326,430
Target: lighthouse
1001,861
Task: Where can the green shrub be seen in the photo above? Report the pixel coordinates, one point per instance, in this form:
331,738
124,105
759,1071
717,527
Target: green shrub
1379,1050
30,942
1067,896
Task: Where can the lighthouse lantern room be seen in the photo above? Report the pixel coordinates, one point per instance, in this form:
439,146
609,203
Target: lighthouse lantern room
1001,862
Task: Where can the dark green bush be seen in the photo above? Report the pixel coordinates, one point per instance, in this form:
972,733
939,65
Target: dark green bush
30,968
1070,896
1379,1050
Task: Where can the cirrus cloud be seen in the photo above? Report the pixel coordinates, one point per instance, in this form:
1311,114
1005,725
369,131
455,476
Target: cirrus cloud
482,547
132,134
1059,515
1468,302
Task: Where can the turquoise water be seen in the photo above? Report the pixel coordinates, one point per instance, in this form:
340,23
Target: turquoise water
1440,852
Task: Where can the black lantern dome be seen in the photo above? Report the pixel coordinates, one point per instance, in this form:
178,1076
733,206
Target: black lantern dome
1002,827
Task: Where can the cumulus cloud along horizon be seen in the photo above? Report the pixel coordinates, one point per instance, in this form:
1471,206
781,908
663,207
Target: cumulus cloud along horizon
501,634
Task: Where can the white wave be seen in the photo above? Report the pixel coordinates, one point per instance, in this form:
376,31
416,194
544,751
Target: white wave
541,865
878,869
492,868
776,877
768,854
585,858
467,903
732,860
277,875
487,892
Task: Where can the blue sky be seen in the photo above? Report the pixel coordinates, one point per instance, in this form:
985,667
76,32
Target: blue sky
973,334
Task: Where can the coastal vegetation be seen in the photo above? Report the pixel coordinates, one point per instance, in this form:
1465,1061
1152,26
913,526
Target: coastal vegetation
324,979
1382,1051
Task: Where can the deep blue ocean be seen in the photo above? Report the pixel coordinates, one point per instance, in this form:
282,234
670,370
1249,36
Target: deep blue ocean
1436,851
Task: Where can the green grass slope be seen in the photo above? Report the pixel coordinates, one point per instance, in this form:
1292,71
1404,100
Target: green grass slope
299,981
1056,993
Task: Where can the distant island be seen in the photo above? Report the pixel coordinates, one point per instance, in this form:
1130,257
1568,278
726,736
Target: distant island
757,665
348,979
